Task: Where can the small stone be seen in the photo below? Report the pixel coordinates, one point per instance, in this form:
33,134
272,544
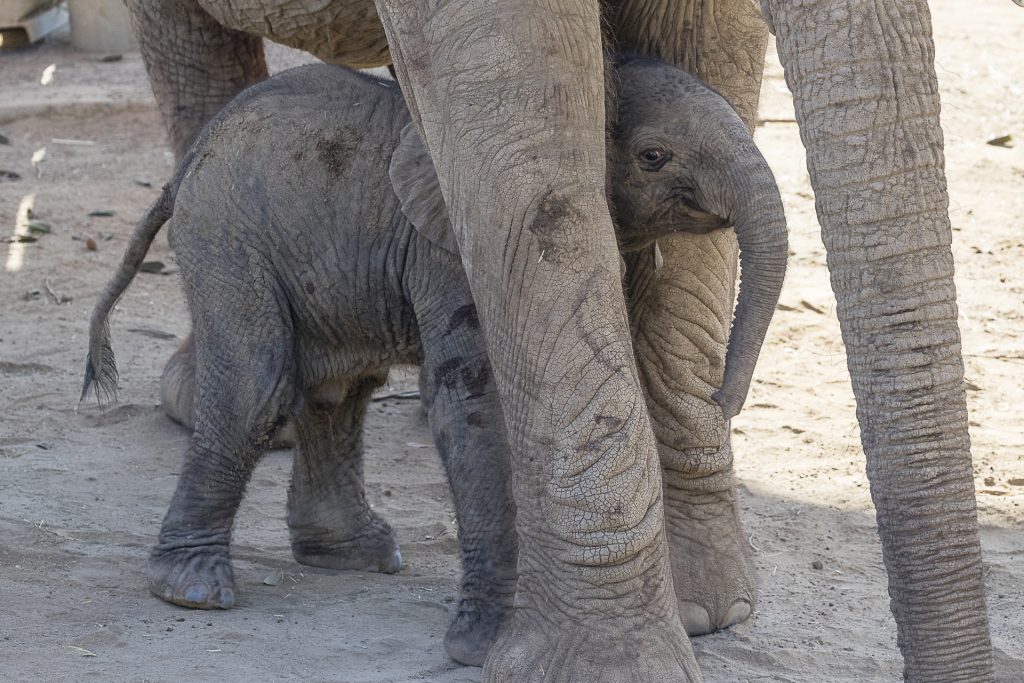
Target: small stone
90,244
817,564
990,481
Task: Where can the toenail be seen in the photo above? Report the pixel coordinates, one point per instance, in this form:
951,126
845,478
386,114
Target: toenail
696,619
739,611
196,594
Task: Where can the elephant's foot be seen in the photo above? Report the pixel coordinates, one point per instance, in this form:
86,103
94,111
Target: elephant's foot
711,562
370,548
476,627
199,577
533,648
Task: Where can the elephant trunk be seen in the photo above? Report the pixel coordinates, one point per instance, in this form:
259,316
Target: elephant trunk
867,101
747,195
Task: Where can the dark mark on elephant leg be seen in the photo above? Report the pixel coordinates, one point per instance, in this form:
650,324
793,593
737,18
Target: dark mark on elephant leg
335,151
613,422
463,315
550,222
476,419
446,374
474,378
475,381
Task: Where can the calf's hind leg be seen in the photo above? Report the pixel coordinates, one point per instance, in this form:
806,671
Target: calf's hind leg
245,391
331,523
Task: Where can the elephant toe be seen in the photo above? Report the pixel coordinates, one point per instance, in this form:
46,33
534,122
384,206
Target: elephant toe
698,621
739,612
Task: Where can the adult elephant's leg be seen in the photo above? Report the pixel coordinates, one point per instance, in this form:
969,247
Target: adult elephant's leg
681,314
195,65
867,102
510,96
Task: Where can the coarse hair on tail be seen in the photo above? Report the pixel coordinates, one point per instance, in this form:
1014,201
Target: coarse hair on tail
100,368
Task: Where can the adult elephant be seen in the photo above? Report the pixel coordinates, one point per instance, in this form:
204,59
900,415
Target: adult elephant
617,553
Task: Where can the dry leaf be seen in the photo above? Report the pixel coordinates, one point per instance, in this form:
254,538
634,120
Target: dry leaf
811,307
152,332
152,267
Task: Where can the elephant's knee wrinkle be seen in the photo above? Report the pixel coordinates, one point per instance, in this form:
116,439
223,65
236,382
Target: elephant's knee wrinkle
695,462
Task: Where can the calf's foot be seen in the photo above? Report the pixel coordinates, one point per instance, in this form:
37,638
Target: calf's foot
476,627
198,576
371,547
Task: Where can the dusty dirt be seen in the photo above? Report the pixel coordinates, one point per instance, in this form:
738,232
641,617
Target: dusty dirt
82,493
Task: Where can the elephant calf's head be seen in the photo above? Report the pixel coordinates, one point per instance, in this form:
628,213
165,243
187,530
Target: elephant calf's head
679,160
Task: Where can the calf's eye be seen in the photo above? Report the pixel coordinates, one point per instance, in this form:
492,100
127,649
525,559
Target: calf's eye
653,155
653,158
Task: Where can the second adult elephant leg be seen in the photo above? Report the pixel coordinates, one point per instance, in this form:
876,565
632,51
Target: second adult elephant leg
195,65
681,320
681,317
510,98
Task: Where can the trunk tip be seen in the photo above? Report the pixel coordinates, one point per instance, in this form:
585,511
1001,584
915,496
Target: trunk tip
729,403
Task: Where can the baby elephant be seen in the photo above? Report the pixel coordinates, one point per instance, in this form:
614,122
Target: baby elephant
310,267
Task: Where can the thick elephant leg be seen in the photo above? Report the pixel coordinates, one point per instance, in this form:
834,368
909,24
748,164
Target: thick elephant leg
190,564
465,416
330,521
867,101
195,65
510,97
681,316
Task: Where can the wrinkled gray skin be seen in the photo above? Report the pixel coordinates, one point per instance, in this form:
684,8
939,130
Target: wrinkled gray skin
322,282
615,555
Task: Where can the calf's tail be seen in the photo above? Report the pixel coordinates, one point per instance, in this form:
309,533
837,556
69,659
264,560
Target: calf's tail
100,369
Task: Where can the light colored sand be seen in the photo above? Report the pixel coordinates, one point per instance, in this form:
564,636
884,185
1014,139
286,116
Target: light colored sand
82,494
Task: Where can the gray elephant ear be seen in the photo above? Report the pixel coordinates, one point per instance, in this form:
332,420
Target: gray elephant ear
415,182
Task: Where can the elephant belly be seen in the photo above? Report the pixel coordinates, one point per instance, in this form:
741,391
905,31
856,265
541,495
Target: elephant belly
346,32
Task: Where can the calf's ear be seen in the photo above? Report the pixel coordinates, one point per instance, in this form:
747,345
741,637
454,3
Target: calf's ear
415,182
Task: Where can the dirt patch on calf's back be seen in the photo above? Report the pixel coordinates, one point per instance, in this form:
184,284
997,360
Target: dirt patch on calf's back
336,149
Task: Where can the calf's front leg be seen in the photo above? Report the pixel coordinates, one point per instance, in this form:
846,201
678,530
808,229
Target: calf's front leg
469,429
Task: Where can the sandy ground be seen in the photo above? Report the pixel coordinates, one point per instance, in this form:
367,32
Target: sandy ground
82,493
